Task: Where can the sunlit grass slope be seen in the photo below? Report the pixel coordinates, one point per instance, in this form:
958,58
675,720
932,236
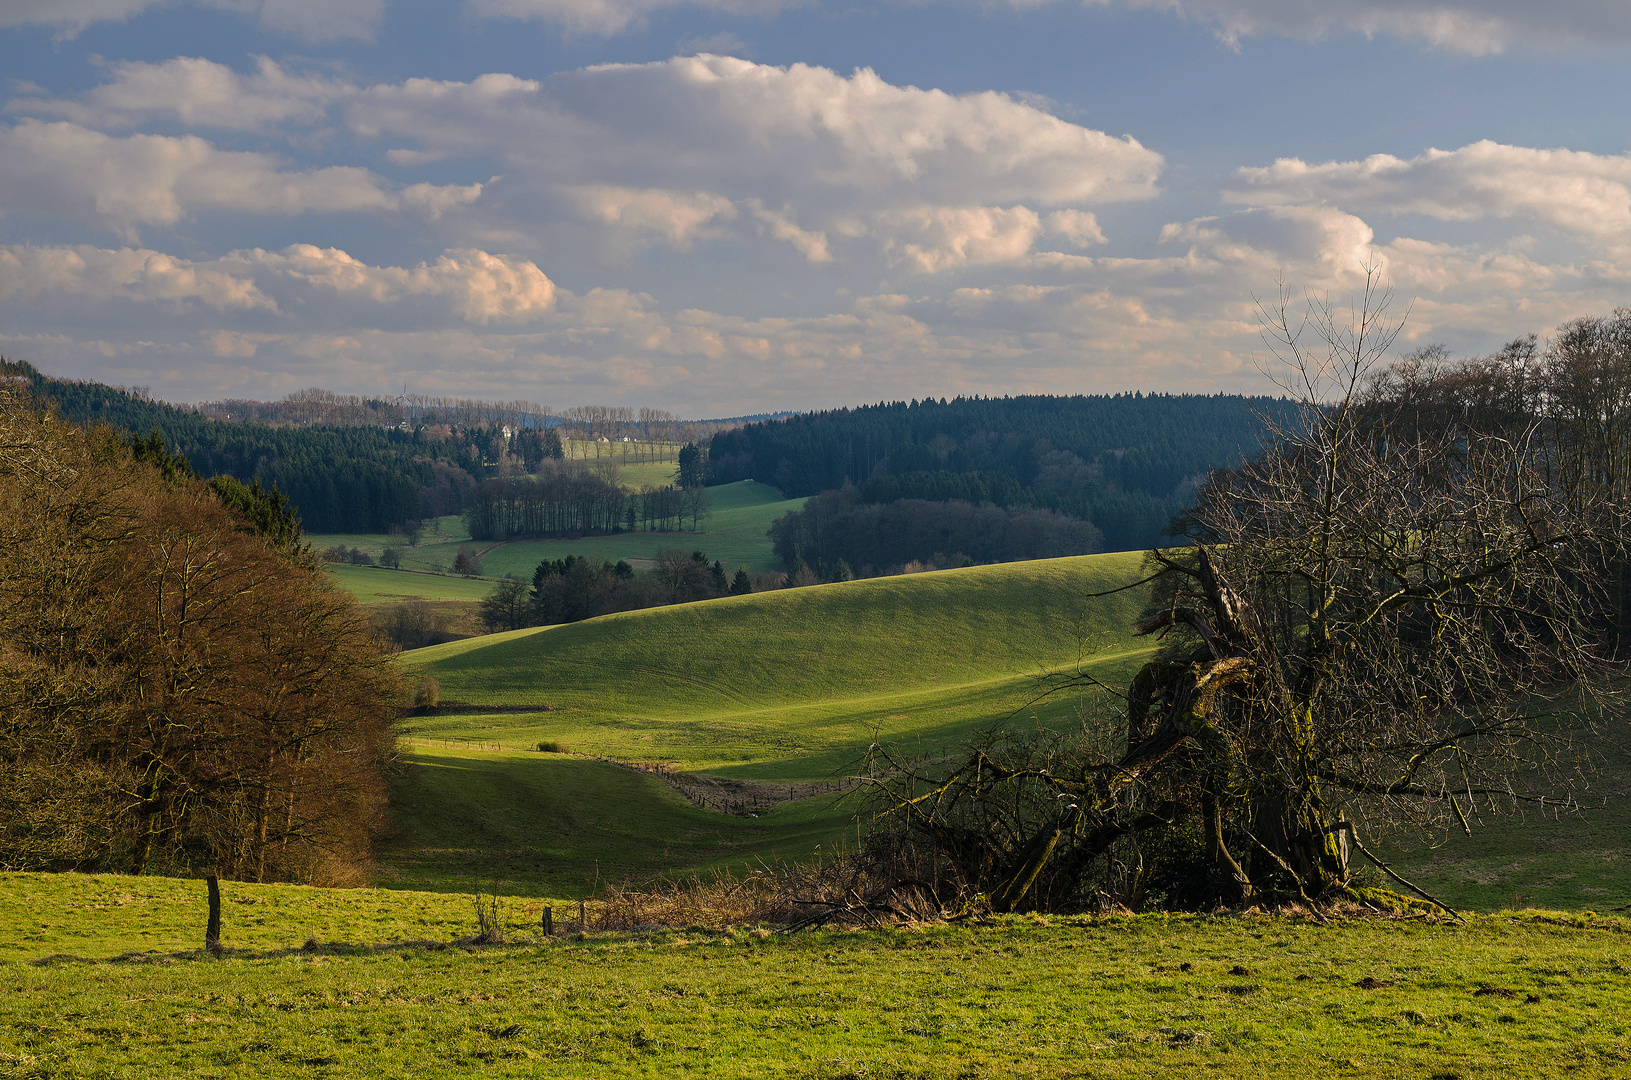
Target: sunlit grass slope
377,585
796,683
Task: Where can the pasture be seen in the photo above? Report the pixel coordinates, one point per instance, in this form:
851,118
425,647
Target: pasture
111,983
792,686
734,534
795,684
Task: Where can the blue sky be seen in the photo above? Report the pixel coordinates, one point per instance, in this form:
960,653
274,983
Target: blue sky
726,206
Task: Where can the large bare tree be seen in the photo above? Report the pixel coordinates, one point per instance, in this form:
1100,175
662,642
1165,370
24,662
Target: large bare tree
1379,619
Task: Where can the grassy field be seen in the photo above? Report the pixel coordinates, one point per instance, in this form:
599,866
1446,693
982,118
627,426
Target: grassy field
795,684
734,534
551,825
765,688
1516,996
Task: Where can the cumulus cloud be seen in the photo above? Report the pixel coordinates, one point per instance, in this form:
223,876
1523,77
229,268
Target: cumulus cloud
64,170
1079,228
676,216
473,286
704,147
82,272
943,238
197,93
677,149
1586,194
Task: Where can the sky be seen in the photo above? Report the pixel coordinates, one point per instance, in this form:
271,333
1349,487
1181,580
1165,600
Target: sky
723,207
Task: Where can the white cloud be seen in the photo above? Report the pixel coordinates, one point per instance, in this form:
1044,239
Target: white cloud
673,149
1078,227
612,16
812,245
1587,194
67,171
324,20
479,286
473,286
676,216
83,272
933,239
197,93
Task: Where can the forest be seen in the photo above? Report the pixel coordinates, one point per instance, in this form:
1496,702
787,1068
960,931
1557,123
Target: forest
345,477
1125,463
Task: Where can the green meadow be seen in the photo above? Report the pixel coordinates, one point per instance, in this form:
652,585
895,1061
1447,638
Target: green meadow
104,977
795,684
110,983
733,533
533,824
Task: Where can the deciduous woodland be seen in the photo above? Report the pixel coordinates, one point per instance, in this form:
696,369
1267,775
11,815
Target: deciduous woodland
181,687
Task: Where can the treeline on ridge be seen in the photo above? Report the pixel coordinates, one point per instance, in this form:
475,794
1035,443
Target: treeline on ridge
1124,465
341,479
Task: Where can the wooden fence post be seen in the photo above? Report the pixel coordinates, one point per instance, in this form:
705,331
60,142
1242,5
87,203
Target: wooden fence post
212,932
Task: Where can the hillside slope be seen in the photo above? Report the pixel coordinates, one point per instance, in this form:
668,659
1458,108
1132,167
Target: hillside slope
795,684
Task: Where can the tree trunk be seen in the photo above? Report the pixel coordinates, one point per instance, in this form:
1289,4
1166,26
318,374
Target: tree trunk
1297,829
212,932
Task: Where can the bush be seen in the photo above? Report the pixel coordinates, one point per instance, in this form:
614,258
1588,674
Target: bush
412,624
466,563
391,557
551,747
428,694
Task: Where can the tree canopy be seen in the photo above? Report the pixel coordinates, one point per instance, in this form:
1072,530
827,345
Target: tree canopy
180,686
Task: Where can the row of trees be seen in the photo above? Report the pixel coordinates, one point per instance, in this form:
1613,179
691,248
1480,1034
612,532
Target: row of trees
1407,612
573,589
575,498
180,686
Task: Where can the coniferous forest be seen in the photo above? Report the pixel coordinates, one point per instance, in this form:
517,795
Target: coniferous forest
992,479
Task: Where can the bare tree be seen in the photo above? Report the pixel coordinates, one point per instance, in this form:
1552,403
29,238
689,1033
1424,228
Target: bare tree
1376,620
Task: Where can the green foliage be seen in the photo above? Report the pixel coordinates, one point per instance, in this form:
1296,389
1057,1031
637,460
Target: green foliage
267,513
